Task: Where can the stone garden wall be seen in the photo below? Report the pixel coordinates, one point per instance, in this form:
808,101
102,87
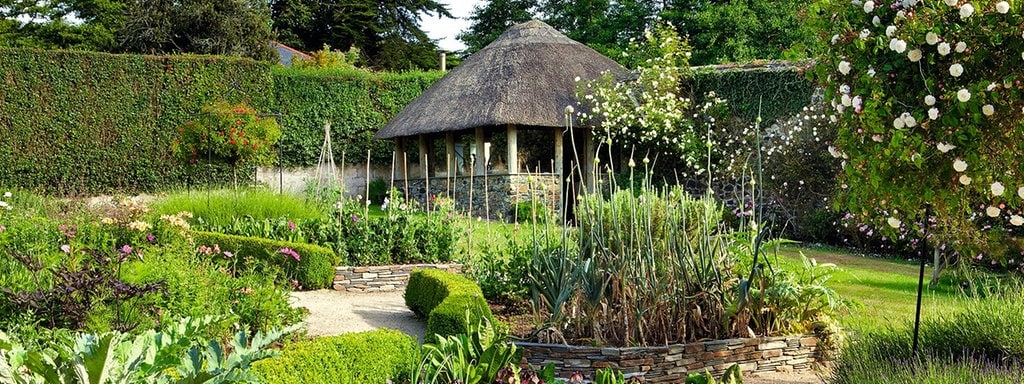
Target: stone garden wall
671,364
500,193
382,277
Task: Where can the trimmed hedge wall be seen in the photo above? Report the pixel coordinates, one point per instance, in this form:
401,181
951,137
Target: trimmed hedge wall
356,103
87,122
444,297
776,89
378,356
313,270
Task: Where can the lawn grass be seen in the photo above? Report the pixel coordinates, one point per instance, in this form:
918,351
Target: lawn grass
884,290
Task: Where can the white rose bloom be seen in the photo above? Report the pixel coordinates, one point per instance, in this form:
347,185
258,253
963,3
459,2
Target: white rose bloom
956,70
894,222
945,147
845,88
844,67
835,39
890,30
963,95
869,6
991,86
892,44
1020,192
864,33
909,120
898,123
929,100
944,48
876,21
951,3
933,113
1002,7
7,195
858,102
959,165
997,189
961,47
931,38
846,100
992,211
914,55
871,71
1017,220
901,14
965,180
901,46
966,11
988,109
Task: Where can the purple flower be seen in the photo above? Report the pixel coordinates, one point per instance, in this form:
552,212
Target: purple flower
228,254
126,249
150,237
65,248
355,219
291,226
290,252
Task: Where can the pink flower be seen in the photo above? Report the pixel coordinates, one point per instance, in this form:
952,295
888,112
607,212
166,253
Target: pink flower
150,237
126,249
65,248
291,225
290,252
228,254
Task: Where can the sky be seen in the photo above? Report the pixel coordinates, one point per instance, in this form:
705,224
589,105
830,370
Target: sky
445,29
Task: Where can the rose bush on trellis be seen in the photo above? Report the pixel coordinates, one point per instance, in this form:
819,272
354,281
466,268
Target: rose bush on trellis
927,98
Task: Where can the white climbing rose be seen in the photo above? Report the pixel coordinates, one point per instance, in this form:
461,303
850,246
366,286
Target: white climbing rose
966,11
951,3
965,180
844,67
959,165
961,47
963,95
929,100
894,222
1020,192
945,147
992,211
890,30
997,189
909,120
943,48
869,6
931,38
914,55
933,113
988,109
956,70
876,21
898,123
1002,7
1017,220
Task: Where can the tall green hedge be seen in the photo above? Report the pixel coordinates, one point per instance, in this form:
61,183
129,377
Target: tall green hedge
775,90
356,103
86,122
372,357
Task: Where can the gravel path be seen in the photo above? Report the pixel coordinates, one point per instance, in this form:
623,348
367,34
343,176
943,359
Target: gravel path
332,312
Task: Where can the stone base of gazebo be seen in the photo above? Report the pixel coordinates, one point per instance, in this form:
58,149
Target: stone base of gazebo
494,197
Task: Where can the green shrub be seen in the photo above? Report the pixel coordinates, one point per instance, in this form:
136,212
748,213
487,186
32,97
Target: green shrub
86,122
221,208
444,298
313,268
367,357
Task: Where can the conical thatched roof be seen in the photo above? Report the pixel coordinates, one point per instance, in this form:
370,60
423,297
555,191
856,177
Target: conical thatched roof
526,77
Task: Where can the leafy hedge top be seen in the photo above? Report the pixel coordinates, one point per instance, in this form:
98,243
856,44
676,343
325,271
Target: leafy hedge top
367,357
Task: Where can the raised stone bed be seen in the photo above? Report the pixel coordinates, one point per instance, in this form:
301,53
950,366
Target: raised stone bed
381,278
671,364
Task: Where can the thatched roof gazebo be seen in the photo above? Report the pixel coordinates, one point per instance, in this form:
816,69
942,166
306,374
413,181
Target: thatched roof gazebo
499,114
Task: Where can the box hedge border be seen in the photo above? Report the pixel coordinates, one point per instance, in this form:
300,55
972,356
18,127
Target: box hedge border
378,356
444,298
313,270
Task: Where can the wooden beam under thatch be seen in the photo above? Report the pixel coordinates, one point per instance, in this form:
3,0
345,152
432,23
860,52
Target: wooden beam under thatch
526,78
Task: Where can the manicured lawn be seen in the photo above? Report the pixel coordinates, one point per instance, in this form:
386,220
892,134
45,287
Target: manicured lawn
885,290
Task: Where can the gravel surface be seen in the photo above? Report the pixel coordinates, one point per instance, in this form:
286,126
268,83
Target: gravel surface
332,312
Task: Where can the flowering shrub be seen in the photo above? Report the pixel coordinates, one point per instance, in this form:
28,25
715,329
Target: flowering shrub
927,98
234,133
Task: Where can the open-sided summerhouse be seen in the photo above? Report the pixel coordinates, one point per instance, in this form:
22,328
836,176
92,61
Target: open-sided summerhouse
492,133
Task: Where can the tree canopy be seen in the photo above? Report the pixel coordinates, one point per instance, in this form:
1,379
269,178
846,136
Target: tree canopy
719,30
387,32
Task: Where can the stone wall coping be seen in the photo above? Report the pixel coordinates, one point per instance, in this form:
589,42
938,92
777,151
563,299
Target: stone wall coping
399,266
504,174
586,348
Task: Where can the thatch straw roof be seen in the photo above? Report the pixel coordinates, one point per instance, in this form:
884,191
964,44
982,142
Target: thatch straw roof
526,77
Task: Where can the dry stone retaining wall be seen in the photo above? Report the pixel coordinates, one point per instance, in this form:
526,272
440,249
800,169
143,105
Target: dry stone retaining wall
671,364
381,278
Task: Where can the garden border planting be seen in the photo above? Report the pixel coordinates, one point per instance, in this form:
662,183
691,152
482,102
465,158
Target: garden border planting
309,264
671,364
379,278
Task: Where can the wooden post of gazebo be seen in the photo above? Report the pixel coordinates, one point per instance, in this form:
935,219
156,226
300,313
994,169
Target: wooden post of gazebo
513,150
479,168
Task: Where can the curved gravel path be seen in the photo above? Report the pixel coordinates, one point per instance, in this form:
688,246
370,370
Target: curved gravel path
333,312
